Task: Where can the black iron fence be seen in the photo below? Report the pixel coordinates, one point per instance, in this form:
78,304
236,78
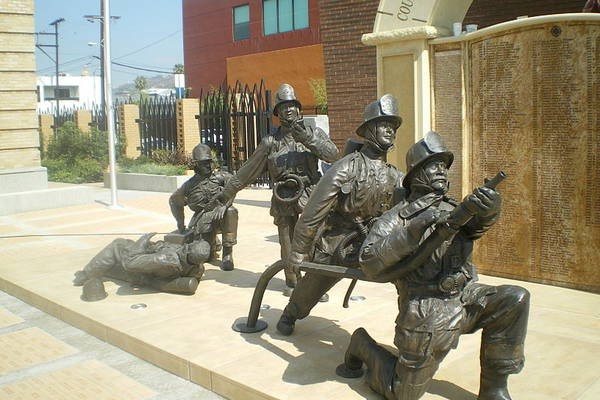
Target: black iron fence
158,124
232,121
67,114
98,115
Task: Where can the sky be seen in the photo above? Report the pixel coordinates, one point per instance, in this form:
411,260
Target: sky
148,34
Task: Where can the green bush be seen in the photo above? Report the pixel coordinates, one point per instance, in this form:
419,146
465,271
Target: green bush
80,170
319,89
77,157
141,166
161,162
170,157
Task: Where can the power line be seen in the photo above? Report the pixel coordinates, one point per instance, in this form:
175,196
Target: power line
148,45
140,68
75,60
143,69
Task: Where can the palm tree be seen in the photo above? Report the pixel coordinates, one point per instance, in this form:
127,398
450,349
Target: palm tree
178,69
141,83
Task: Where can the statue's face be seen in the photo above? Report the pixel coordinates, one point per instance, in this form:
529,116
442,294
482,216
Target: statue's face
385,135
436,175
203,167
288,112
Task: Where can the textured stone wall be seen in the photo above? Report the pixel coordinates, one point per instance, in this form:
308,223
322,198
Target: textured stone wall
130,129
46,121
188,130
83,120
19,140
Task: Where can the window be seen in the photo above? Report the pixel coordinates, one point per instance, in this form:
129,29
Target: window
284,16
241,22
62,93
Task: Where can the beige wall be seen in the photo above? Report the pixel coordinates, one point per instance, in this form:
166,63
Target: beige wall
19,141
398,79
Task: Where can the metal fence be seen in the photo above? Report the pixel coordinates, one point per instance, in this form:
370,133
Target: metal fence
158,124
232,121
98,115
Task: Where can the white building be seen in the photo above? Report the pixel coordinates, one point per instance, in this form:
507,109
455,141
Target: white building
80,92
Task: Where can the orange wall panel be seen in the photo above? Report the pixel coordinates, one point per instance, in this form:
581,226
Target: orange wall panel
295,66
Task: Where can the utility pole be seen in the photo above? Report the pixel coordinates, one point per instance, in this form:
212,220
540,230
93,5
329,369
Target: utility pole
100,18
57,88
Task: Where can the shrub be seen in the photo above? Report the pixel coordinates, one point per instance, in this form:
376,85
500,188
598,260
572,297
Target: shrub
77,157
79,170
171,157
317,86
161,162
140,166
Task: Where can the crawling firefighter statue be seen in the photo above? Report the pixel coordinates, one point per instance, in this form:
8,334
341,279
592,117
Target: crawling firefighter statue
423,245
168,267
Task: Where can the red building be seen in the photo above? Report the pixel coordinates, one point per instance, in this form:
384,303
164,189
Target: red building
249,40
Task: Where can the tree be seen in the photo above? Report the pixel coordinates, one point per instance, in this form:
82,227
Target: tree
319,89
178,69
141,83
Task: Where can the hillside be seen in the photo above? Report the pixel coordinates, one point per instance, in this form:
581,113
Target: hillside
157,81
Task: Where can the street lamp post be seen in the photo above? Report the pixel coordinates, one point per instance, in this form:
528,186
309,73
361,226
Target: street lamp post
109,103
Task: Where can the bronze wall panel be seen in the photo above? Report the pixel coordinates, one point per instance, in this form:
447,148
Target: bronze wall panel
535,114
448,110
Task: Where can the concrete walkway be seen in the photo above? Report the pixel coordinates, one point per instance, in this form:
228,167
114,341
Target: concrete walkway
45,358
191,336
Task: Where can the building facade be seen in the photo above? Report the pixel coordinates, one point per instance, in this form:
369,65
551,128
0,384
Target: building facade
248,40
73,92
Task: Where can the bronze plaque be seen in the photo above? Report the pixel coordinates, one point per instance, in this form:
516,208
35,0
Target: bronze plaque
448,122
536,115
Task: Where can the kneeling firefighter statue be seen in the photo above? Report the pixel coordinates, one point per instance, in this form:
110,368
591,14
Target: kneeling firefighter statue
423,245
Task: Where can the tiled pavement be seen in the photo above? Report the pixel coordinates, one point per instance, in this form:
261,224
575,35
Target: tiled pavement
45,358
191,336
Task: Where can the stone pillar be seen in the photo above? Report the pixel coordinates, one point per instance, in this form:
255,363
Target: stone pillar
20,167
46,131
23,181
188,130
83,120
130,129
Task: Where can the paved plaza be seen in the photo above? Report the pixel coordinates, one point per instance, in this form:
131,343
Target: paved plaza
63,347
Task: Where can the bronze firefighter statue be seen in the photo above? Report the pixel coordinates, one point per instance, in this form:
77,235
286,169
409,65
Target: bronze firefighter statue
290,154
210,218
356,189
423,245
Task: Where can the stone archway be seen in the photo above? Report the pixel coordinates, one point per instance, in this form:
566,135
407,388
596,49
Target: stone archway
402,14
